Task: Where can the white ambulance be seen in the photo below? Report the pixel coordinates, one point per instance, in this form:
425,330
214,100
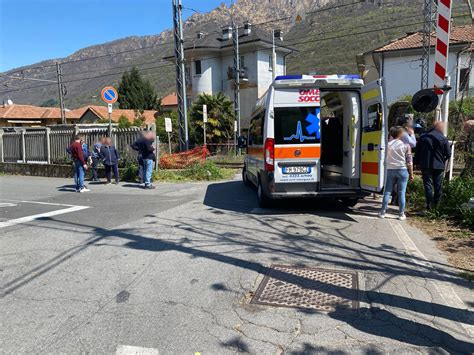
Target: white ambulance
317,135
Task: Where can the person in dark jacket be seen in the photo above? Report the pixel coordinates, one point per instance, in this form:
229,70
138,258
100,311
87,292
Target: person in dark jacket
136,146
110,158
95,157
433,150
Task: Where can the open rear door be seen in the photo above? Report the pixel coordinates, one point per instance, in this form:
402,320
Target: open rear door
373,137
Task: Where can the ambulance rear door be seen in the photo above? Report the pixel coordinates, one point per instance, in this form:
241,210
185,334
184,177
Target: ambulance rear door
373,137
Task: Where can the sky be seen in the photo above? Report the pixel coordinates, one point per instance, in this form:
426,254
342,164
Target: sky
36,30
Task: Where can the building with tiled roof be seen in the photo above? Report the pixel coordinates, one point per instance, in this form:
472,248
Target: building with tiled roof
169,102
399,63
92,114
28,115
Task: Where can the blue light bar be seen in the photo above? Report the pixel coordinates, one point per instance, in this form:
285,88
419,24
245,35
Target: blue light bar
349,76
289,77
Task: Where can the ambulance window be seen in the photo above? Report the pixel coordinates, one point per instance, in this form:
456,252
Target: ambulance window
297,125
256,129
374,118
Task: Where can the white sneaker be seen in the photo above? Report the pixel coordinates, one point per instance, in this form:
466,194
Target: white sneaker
84,190
402,217
382,215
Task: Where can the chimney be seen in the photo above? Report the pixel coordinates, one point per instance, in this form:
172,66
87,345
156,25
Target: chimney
247,28
199,35
226,33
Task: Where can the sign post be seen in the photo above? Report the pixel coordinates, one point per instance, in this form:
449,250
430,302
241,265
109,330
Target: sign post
169,129
204,118
110,96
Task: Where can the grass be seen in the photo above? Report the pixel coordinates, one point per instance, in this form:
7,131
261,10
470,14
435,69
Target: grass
230,158
207,171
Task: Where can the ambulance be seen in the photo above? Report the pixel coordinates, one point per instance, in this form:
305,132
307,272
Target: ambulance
317,136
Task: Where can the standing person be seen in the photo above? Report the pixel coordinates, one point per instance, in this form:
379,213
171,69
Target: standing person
409,135
147,151
432,153
399,170
96,159
137,147
80,165
110,158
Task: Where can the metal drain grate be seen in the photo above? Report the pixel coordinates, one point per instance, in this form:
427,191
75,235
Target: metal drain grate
302,287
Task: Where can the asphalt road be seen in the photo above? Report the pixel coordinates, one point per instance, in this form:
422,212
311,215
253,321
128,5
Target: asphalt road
171,271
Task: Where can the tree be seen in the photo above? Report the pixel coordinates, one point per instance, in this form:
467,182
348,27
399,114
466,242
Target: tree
123,122
220,122
49,103
136,93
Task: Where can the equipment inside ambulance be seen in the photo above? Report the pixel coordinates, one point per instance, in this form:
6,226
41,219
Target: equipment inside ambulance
313,136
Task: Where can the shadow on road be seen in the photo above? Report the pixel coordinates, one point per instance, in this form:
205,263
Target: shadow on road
277,239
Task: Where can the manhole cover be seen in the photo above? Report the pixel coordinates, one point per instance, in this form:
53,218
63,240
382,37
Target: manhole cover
303,287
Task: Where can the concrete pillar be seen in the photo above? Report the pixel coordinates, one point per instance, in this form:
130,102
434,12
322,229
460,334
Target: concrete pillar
48,144
23,146
2,156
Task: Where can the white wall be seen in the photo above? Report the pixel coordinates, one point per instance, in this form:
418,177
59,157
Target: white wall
265,75
209,81
402,74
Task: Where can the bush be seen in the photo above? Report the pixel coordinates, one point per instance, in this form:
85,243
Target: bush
130,172
454,204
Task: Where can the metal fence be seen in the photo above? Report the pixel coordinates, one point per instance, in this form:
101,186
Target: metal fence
47,145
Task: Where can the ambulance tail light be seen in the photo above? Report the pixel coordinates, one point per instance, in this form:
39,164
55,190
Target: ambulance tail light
269,154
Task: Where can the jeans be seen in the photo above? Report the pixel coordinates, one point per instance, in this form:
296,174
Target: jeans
108,172
95,169
148,167
399,177
79,174
433,183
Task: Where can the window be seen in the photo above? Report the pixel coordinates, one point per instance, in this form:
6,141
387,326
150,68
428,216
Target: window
297,125
256,129
270,63
374,118
242,62
197,67
463,79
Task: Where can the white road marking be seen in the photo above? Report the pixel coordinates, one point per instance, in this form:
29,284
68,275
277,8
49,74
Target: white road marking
447,293
7,204
135,350
39,203
26,219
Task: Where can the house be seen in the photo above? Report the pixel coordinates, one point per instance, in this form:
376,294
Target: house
93,114
14,115
210,63
169,102
399,62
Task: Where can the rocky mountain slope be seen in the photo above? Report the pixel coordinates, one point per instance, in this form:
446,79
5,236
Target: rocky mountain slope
327,42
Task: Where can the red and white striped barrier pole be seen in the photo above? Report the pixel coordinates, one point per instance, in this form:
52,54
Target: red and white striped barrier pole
443,31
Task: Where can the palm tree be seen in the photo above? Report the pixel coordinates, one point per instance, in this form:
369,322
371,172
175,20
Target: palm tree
220,121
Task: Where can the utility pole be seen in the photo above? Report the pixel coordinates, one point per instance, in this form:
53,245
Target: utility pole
274,56
235,42
62,92
180,74
427,28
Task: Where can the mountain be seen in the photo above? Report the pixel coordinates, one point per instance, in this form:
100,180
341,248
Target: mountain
326,41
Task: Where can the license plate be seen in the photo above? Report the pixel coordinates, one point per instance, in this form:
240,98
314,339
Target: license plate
297,170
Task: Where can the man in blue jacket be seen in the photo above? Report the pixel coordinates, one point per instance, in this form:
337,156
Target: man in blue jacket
433,150
110,157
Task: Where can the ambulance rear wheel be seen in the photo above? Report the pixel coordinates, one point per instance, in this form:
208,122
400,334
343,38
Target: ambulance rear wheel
263,200
350,202
245,177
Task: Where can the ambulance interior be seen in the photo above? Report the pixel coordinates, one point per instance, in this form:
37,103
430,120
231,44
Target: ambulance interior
340,148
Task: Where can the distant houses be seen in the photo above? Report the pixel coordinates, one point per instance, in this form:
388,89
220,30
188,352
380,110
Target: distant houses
16,115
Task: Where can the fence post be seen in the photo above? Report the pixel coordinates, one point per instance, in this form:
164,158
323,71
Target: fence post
23,146
48,144
2,156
